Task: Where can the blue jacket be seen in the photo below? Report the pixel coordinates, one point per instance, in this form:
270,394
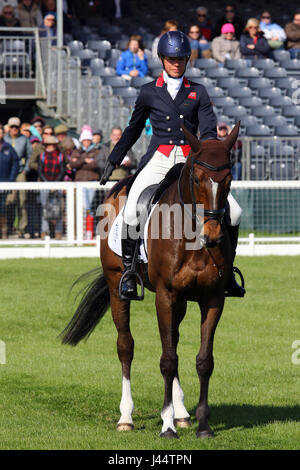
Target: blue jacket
22,147
9,163
129,61
192,106
261,50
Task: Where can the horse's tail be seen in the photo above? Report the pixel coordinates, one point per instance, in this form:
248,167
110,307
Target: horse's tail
93,305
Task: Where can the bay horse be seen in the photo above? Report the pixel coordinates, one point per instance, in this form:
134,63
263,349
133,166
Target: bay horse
176,275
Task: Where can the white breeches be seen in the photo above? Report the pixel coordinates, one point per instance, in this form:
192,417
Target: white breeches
153,173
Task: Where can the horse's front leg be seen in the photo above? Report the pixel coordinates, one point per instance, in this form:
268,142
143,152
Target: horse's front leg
210,315
121,316
169,315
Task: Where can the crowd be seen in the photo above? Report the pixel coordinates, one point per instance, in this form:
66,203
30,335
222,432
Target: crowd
36,151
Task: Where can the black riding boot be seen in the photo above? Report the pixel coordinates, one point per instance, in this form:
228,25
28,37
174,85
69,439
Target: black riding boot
128,288
233,289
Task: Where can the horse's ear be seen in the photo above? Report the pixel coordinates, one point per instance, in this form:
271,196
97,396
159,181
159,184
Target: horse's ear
231,139
193,141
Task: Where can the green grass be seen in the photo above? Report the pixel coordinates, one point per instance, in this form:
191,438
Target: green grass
58,397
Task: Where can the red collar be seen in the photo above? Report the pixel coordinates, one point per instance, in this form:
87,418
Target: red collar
160,81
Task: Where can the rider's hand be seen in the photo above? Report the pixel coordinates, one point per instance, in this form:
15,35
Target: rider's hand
107,172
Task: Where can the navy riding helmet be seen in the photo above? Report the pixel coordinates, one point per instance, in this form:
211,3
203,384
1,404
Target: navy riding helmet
174,44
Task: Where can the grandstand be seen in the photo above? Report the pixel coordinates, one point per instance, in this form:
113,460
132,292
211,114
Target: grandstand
77,83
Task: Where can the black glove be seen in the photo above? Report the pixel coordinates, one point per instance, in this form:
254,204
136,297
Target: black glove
109,167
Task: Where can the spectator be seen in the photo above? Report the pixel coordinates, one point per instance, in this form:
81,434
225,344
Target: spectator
25,129
170,25
273,32
9,169
253,43
84,161
194,37
292,31
225,46
12,3
236,152
49,6
37,126
29,14
128,164
133,61
204,23
61,132
51,168
19,142
230,16
97,138
68,146
48,27
32,167
8,19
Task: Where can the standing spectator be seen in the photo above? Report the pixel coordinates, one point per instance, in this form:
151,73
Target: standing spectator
32,167
23,149
84,161
12,3
236,152
292,31
253,43
8,19
230,16
37,126
170,25
225,46
129,162
49,6
273,32
9,169
133,61
61,132
51,168
48,27
29,14
204,23
25,129
97,138
68,146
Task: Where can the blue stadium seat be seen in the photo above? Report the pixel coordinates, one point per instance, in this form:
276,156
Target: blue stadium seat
235,111
115,81
258,168
291,111
137,82
75,47
280,55
205,63
272,92
264,110
263,63
105,72
236,63
284,83
282,168
101,47
205,81
280,101
155,71
97,63
260,82
250,101
259,130
215,91
223,101
240,92
193,72
275,72
217,72
287,130
291,65
249,72
250,120
274,120
86,55
231,82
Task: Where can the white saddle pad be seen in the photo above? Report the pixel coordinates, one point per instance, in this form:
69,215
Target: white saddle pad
114,237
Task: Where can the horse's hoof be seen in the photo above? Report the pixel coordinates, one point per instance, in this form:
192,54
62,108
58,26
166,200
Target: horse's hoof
183,422
124,427
169,434
205,434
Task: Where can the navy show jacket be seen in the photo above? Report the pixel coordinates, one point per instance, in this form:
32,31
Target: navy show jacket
192,106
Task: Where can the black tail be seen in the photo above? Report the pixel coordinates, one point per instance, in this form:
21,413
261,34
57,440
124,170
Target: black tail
93,305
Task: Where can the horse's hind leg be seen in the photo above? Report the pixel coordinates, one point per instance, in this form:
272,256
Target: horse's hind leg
121,316
170,314
205,364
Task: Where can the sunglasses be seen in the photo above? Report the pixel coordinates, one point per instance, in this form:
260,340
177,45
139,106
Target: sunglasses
252,27
14,127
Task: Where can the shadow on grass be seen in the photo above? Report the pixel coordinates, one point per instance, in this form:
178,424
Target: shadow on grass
225,417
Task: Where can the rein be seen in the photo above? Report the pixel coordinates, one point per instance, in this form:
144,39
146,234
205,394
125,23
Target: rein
211,214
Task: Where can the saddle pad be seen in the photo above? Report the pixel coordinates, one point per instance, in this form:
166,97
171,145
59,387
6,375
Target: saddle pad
114,237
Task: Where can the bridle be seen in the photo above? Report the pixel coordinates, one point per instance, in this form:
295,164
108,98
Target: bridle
209,214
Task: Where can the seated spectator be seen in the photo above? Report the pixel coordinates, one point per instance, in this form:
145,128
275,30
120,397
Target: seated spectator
48,27
236,152
292,31
170,25
273,32
204,23
12,3
84,161
230,16
226,46
9,169
8,19
51,168
133,61
127,165
253,43
199,46
29,14
97,138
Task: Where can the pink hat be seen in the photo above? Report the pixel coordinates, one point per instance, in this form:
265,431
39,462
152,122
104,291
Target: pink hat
227,28
86,134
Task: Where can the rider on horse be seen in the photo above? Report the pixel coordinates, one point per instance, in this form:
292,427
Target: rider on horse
168,102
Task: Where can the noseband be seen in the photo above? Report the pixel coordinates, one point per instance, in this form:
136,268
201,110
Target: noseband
210,214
